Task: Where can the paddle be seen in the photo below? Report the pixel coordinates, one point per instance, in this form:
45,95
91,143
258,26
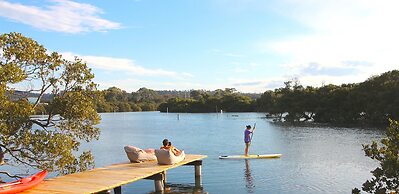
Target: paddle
252,134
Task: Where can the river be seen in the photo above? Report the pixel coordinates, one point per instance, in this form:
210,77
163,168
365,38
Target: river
315,159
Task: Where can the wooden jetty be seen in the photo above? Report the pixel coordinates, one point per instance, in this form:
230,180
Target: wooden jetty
114,176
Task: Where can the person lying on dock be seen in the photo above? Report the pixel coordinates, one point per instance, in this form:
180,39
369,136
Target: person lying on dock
167,145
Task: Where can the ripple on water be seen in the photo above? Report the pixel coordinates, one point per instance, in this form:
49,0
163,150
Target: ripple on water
315,159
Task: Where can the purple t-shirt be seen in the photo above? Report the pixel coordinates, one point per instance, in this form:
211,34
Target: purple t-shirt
247,138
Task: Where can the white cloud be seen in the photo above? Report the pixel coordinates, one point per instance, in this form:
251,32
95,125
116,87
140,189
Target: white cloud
340,32
125,65
61,16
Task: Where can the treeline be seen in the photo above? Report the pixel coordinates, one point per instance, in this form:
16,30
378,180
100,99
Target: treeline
370,102
116,100
202,101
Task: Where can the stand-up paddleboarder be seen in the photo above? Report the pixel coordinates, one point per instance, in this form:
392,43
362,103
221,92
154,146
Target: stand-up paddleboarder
248,138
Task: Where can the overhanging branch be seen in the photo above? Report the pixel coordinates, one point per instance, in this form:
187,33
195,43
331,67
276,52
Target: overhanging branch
16,157
10,175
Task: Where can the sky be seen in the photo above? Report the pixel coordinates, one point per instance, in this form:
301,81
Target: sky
250,45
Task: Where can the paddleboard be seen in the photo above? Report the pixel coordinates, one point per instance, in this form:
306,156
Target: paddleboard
252,156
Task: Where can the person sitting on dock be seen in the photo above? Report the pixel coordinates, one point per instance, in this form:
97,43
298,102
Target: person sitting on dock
167,145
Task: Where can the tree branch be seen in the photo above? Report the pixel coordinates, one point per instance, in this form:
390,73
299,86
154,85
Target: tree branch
42,91
37,122
16,158
11,176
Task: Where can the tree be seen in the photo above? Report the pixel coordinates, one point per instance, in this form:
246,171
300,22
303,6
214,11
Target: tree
266,102
198,94
114,94
233,102
201,101
368,103
386,176
51,143
146,95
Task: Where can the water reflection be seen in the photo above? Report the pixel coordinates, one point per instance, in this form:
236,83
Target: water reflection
171,188
308,151
249,180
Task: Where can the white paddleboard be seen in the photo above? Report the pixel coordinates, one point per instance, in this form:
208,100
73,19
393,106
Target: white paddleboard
252,156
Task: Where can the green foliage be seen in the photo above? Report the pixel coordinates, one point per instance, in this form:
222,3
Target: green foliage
233,102
371,102
227,100
146,95
116,100
386,176
50,143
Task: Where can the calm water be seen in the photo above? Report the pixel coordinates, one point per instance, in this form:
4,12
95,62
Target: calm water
315,159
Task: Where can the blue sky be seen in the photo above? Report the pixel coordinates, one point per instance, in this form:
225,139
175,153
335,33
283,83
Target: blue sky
250,45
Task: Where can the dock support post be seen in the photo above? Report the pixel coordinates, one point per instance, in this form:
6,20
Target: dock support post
198,179
159,186
164,178
158,181
118,190
197,168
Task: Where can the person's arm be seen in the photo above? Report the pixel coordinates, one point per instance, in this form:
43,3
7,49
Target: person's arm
176,151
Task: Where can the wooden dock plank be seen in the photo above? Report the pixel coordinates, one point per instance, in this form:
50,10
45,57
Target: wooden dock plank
106,178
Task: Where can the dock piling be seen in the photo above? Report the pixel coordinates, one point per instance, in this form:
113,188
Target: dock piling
118,190
164,178
159,180
198,172
198,178
159,186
